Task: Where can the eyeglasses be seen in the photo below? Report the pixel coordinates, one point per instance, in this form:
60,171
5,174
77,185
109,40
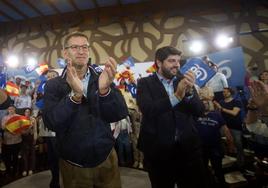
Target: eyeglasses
77,47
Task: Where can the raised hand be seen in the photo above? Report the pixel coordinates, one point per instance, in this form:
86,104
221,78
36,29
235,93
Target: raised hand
73,80
259,93
185,84
107,75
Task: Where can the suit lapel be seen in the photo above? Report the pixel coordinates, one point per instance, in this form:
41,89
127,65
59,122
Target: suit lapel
158,86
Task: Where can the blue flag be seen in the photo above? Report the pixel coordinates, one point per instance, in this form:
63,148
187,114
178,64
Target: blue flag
231,63
3,79
40,103
41,87
129,62
29,68
132,88
202,71
61,63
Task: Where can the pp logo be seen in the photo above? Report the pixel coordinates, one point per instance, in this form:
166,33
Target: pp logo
134,90
226,70
200,73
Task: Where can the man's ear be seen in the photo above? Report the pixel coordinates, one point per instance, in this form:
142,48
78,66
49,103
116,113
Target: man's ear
158,63
64,53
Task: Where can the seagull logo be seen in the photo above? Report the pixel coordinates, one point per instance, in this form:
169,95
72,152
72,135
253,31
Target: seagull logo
200,73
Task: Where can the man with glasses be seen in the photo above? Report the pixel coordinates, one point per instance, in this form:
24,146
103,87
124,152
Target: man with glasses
79,105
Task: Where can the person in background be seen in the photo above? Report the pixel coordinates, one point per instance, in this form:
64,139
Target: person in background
218,82
29,137
259,141
230,109
206,94
263,76
135,117
122,130
22,101
11,144
209,127
168,139
5,100
48,138
259,93
78,106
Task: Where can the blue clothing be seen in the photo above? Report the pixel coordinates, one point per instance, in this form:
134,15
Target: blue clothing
233,122
169,87
84,137
209,127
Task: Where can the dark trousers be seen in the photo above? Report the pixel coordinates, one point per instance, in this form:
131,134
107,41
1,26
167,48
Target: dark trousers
215,155
186,171
28,152
10,156
123,147
53,161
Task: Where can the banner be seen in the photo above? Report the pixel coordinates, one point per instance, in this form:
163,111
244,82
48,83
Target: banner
232,64
203,72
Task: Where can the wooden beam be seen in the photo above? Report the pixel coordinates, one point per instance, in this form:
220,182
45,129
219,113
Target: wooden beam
52,5
74,5
33,7
96,4
6,16
15,9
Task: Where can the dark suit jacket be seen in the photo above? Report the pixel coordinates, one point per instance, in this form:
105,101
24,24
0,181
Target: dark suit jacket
160,120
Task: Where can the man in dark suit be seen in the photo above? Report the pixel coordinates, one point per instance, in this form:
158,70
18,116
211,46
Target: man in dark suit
168,139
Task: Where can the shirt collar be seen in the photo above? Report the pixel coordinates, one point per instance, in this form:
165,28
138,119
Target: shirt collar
87,73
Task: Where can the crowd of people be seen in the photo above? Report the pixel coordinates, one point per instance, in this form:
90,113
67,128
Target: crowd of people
172,129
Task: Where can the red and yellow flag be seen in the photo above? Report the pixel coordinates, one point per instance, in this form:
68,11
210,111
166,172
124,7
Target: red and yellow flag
12,89
152,69
126,75
42,68
17,123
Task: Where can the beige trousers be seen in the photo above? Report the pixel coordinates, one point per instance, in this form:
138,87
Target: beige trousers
105,175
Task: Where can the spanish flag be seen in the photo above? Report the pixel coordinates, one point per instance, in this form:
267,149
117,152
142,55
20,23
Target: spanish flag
12,89
17,123
42,68
126,75
152,69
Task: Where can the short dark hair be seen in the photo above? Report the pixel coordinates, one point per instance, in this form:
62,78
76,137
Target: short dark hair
73,34
162,53
231,90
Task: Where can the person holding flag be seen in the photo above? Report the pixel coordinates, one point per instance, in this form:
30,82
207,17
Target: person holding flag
11,142
29,137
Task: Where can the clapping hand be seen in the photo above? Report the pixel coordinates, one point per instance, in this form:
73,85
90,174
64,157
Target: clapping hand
185,84
107,75
259,93
73,80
